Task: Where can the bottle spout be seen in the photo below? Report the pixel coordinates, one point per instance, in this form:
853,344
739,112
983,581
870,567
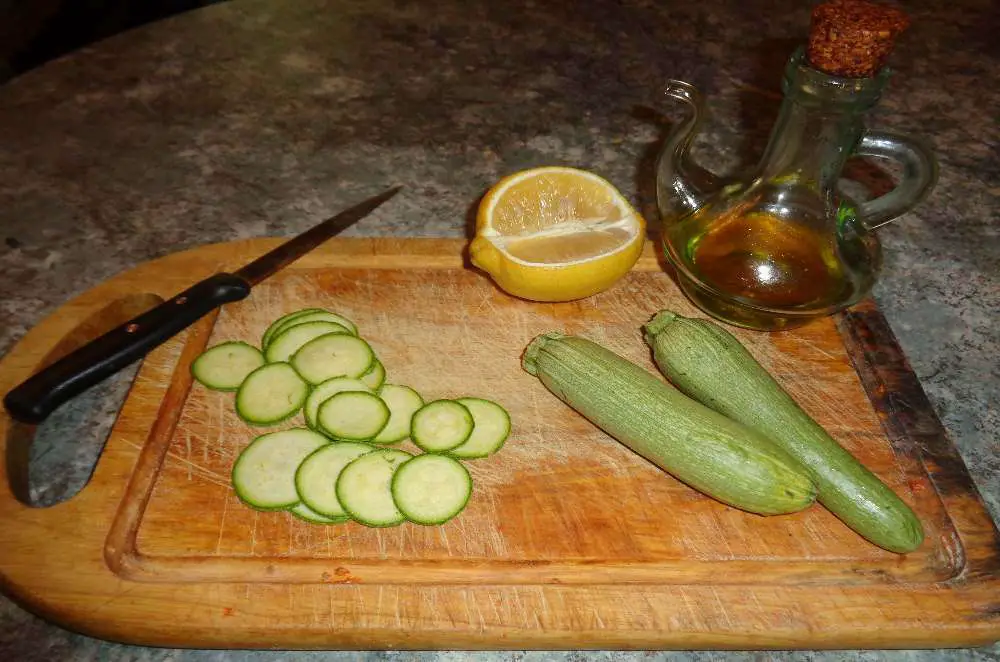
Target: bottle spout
681,185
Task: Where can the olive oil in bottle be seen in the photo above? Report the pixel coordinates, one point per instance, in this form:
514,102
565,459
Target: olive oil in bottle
768,262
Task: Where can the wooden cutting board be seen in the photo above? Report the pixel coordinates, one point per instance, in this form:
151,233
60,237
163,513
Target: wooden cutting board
569,541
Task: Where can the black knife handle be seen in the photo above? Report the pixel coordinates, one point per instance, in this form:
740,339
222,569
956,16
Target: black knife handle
36,398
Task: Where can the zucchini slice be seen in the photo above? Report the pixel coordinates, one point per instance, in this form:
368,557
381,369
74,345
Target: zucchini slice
403,403
375,376
305,513
326,390
490,431
264,473
431,489
352,416
316,478
441,425
270,394
319,315
225,366
364,487
265,339
287,342
331,355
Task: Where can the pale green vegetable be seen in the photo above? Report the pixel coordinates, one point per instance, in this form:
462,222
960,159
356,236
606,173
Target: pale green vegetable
712,366
706,450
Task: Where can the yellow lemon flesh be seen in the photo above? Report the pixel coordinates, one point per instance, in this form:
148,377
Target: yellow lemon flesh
556,234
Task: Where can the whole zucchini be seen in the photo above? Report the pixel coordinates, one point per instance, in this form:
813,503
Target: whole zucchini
708,363
704,449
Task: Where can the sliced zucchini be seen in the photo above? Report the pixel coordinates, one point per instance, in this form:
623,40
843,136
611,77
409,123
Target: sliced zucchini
270,394
489,432
264,473
441,425
431,488
364,487
269,332
320,316
316,478
403,403
331,355
352,416
225,366
326,390
375,376
304,512
287,342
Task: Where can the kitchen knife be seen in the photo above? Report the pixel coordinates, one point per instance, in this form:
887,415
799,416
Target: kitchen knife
36,398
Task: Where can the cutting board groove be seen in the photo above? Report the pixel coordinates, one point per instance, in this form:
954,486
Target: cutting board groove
569,538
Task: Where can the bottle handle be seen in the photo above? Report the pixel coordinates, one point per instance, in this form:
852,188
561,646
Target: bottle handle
920,172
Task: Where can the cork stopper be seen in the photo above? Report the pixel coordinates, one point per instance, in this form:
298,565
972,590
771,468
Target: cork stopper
853,38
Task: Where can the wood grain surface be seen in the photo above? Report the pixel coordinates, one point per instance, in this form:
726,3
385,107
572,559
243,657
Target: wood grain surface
569,540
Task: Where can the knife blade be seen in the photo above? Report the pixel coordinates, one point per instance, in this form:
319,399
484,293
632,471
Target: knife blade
38,396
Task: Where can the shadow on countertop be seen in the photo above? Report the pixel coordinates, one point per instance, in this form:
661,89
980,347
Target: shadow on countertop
32,32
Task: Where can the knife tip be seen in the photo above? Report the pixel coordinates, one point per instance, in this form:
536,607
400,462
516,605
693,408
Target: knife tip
387,194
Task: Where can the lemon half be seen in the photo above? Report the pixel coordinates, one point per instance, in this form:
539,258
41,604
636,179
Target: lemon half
556,234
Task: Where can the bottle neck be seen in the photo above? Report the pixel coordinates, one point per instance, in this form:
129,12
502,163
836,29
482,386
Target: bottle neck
810,145
820,122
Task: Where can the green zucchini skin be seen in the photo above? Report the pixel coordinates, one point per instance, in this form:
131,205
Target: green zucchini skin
709,364
698,446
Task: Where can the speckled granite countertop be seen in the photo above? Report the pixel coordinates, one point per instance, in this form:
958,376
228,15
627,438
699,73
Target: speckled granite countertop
257,118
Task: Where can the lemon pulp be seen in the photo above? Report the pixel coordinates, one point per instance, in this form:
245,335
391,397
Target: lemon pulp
556,234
